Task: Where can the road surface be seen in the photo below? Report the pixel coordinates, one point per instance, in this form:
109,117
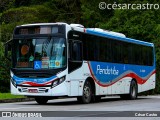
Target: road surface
108,108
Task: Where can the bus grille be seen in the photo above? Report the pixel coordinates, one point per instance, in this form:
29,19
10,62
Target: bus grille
39,90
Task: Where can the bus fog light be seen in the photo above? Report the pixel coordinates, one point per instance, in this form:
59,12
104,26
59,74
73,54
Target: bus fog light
46,90
19,90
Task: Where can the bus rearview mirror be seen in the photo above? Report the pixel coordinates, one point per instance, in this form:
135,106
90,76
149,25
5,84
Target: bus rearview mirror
8,48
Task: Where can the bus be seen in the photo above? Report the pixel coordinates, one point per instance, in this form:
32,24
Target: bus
52,60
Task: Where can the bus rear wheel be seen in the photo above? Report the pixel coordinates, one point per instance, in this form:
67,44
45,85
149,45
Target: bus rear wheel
132,93
133,90
87,93
41,100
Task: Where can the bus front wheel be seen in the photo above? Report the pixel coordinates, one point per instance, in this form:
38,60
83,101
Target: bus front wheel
41,100
87,93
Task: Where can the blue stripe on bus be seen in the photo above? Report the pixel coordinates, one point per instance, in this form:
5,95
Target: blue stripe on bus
109,72
35,80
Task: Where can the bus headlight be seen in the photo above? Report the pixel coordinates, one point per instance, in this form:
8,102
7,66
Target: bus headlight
58,81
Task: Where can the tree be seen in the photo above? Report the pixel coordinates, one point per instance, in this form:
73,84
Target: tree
6,4
92,15
23,15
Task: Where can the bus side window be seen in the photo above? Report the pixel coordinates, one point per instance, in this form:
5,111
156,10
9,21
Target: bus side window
77,51
125,53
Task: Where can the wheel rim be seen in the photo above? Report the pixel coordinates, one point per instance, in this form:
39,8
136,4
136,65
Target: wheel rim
133,90
86,92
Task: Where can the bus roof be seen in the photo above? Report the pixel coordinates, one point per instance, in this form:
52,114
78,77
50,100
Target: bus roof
117,37
36,24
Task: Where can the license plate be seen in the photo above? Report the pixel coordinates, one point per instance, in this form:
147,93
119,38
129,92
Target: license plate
32,90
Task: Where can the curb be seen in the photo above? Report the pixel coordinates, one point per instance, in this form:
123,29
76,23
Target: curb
16,100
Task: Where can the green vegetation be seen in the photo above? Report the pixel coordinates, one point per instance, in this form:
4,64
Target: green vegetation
139,24
9,96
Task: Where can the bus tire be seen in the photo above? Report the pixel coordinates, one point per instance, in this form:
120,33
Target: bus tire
87,93
41,100
132,92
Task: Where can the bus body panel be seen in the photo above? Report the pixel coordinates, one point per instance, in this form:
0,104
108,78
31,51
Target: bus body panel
145,77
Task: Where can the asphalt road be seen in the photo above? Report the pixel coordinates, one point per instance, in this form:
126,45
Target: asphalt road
147,107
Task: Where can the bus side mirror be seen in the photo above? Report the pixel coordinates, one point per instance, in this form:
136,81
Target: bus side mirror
76,53
8,49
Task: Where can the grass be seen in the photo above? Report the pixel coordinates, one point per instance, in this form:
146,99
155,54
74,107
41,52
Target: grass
9,96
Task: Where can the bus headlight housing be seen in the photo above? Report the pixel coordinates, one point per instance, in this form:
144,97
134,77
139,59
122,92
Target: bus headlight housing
58,81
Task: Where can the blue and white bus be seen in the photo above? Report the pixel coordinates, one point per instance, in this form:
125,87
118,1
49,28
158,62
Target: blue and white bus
67,60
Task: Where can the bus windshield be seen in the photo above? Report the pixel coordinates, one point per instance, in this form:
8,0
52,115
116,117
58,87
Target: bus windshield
41,53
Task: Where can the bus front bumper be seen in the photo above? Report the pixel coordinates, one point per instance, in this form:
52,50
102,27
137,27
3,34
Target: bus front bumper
59,90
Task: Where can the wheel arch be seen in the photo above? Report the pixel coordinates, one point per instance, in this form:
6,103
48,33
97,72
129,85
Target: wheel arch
134,79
